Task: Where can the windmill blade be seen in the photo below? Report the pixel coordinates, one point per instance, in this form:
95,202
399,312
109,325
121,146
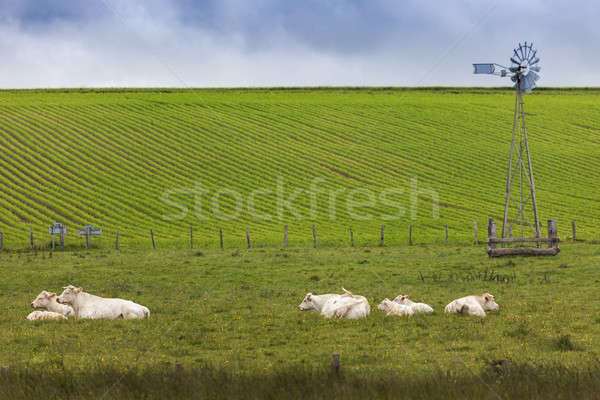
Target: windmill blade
537,68
517,56
521,51
531,56
527,82
537,60
526,51
514,61
533,76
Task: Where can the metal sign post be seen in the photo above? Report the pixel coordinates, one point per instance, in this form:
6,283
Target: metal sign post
87,231
58,229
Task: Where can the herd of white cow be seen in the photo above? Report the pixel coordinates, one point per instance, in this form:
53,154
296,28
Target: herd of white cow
348,305
74,302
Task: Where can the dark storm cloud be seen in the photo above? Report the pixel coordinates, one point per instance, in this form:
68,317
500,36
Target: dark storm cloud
42,12
281,42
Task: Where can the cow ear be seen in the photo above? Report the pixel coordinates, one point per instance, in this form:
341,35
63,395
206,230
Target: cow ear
78,290
308,296
487,297
52,295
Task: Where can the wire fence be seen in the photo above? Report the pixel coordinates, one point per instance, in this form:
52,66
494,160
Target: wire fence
93,238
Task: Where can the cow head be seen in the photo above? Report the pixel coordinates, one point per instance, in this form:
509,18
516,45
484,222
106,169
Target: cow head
402,299
43,300
69,294
307,304
488,303
384,305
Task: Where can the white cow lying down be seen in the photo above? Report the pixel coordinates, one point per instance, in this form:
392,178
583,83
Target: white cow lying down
47,301
345,305
416,307
393,308
41,315
473,305
87,305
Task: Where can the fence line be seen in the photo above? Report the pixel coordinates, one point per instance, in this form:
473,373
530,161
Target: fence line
445,238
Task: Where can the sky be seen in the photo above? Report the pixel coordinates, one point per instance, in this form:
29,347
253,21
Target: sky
233,43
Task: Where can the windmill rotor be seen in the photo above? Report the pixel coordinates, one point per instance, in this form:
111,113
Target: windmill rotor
523,71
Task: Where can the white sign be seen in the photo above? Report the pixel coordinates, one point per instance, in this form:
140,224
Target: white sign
89,229
57,229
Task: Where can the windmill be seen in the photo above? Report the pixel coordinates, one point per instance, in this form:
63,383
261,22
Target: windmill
524,73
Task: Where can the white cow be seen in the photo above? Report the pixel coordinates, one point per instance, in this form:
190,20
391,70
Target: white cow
42,315
473,305
393,308
47,301
87,305
345,305
416,307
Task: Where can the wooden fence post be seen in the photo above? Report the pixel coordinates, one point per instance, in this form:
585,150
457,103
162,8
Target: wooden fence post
53,241
381,242
351,238
152,236
475,228
191,237
62,238
87,238
573,229
410,234
552,233
31,238
248,237
221,237
116,239
492,230
285,237
314,236
1,240
446,233
178,369
335,365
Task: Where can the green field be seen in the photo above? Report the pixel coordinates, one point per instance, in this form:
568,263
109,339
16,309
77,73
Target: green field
343,158
231,318
133,159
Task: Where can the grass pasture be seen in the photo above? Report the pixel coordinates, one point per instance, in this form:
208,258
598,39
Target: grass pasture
168,159
230,317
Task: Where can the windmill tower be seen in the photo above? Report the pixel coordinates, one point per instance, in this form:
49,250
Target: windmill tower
520,205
